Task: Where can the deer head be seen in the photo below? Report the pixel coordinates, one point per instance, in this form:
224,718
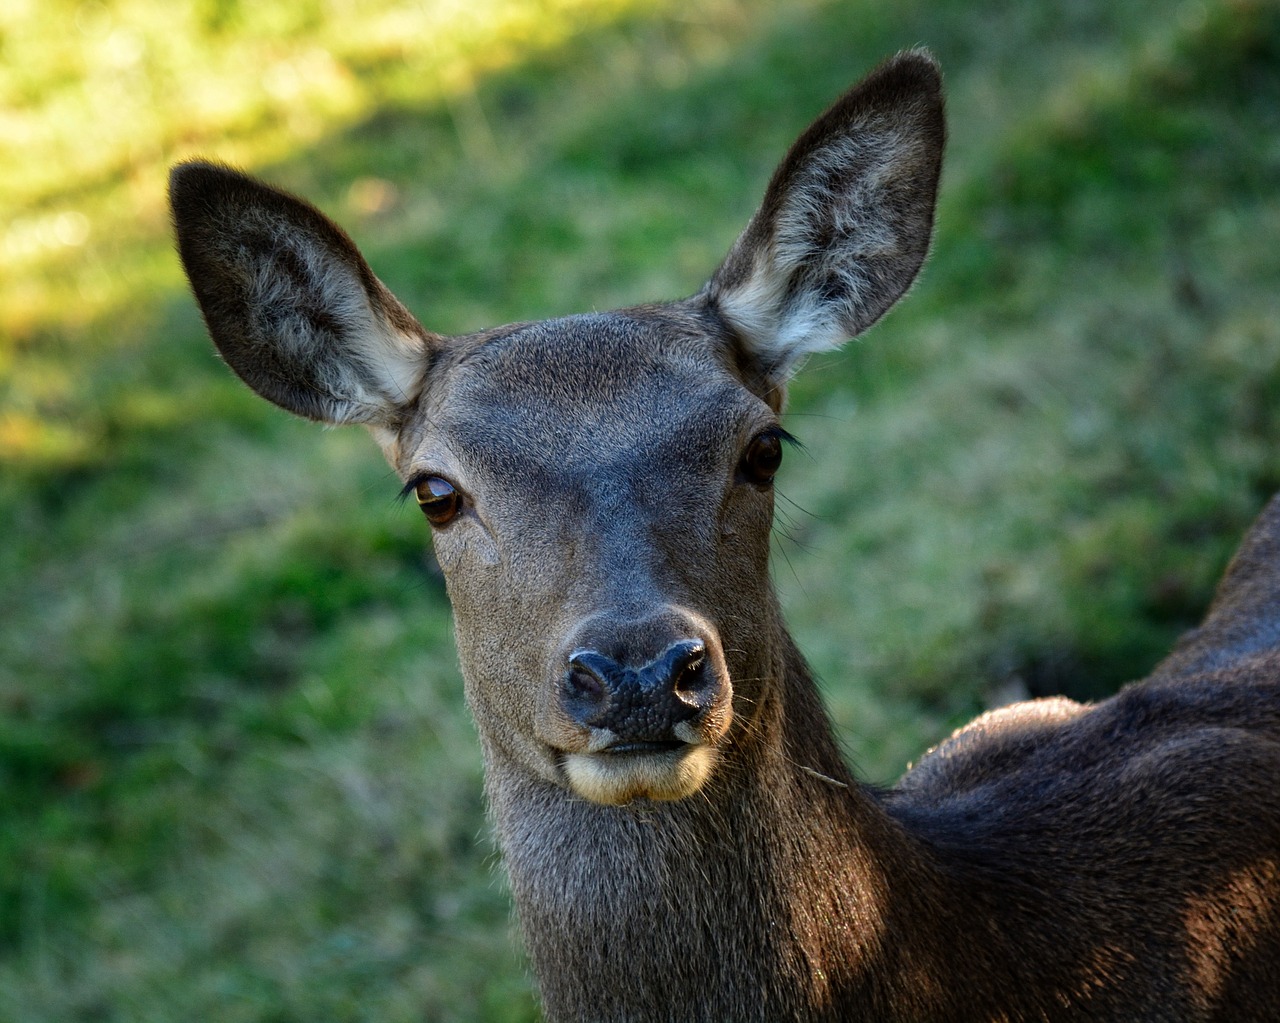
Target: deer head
599,487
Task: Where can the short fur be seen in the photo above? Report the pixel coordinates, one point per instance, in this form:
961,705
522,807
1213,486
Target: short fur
1049,862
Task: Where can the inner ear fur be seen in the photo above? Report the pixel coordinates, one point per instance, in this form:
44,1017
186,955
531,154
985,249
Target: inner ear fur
291,304
844,225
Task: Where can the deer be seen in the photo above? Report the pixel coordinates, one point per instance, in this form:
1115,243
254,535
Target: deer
683,838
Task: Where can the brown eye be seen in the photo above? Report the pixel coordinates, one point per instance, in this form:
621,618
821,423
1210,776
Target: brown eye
762,458
438,500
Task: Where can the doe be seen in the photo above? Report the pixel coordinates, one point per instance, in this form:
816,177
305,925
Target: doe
683,838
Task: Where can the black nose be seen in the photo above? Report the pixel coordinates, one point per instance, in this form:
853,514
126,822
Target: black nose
640,704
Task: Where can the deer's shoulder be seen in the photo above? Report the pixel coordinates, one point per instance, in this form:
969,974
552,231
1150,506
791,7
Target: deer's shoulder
1210,729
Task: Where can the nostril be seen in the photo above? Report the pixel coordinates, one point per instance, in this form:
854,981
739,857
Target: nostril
691,684
687,668
584,685
589,684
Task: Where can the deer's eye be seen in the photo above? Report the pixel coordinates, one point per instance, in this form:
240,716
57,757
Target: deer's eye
762,458
438,499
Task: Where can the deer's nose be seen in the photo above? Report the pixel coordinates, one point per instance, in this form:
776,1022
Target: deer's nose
641,704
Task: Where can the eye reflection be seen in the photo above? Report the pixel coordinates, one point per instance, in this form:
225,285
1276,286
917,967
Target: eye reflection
438,499
763,457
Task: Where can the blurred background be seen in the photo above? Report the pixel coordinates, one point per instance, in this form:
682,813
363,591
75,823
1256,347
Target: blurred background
237,779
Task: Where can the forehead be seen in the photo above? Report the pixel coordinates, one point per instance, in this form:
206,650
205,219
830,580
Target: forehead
585,386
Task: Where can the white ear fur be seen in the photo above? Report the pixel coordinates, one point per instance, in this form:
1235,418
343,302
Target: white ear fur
768,307
321,316
844,225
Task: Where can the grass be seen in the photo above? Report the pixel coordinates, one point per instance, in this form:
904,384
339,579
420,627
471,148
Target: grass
238,778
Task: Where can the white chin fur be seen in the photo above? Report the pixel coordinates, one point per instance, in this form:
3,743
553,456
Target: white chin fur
618,778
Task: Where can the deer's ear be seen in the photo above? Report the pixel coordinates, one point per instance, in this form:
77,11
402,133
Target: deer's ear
845,222
290,302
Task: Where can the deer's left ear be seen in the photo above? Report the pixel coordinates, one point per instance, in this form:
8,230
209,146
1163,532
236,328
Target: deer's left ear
844,225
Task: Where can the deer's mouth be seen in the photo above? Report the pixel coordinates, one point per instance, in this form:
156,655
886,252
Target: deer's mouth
624,748
626,771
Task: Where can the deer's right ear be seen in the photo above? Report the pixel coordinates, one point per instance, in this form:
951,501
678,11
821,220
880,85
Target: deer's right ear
844,225
290,302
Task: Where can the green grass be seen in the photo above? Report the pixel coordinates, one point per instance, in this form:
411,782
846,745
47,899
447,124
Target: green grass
238,780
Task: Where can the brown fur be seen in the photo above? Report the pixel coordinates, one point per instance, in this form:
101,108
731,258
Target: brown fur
1048,862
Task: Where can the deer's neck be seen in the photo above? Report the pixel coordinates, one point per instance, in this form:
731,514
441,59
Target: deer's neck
766,896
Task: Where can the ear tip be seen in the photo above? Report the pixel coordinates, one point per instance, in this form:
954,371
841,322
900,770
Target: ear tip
192,179
188,174
917,54
917,68
911,82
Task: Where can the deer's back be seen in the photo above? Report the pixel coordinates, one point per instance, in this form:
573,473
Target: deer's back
1136,840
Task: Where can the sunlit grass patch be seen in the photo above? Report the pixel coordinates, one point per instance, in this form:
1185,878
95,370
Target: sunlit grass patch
100,98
